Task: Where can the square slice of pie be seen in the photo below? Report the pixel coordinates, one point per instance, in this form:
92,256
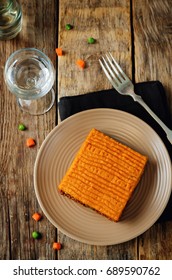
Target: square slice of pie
103,175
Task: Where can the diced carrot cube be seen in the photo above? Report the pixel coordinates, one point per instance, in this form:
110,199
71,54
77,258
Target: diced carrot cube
30,142
57,246
59,51
80,63
36,216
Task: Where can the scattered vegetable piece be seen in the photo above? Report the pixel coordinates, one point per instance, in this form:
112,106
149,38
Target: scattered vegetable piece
57,246
59,51
68,26
91,40
30,142
36,235
36,216
80,63
21,126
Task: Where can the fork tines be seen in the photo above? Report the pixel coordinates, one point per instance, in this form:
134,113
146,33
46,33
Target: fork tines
112,70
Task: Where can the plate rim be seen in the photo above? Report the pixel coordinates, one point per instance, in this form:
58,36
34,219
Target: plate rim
57,127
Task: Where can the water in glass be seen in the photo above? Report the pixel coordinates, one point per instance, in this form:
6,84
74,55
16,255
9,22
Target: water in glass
30,75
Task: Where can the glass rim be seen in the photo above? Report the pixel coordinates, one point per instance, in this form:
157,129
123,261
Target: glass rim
19,92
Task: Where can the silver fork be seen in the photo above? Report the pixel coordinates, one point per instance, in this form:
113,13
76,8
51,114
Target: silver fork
124,86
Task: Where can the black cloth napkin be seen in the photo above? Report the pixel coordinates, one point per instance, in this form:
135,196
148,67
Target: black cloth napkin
153,94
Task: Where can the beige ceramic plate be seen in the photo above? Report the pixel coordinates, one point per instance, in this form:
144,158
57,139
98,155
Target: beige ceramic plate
82,223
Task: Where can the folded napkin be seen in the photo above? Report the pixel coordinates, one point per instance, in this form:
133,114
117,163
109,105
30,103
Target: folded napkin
152,93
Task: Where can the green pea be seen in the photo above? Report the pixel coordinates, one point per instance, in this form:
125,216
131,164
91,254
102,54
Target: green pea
91,40
36,235
21,126
69,26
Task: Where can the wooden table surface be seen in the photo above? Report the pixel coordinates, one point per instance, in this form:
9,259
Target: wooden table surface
139,34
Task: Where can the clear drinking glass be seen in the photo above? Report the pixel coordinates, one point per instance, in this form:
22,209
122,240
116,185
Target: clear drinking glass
10,19
30,75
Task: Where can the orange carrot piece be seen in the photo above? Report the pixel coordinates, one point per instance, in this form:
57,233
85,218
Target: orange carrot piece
59,51
57,246
30,142
36,216
80,63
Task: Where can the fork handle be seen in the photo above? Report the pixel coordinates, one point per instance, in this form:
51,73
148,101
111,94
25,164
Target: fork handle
156,118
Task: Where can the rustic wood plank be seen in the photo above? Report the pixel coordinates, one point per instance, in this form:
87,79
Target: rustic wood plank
18,199
109,23
153,40
75,250
156,243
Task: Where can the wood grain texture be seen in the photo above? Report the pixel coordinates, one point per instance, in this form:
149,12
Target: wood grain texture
17,197
109,23
74,250
156,243
153,40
